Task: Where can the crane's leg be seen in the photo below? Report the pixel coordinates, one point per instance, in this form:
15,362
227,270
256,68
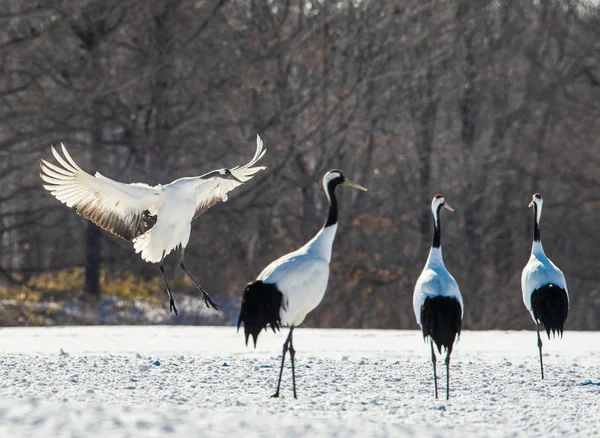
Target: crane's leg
292,356
448,374
433,359
172,307
285,349
540,348
207,299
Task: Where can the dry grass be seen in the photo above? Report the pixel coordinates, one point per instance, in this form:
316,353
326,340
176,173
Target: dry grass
45,299
69,284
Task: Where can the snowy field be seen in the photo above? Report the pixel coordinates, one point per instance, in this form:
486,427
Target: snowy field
203,381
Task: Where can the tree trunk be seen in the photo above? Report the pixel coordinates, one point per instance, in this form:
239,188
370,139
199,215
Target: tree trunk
93,243
93,260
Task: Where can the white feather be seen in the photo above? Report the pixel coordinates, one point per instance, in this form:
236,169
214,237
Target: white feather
121,208
434,281
302,276
540,271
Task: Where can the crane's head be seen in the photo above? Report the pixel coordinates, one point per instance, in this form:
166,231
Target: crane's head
335,177
536,199
438,202
227,174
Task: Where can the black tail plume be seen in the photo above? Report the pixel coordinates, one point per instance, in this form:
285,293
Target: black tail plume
441,319
261,304
550,305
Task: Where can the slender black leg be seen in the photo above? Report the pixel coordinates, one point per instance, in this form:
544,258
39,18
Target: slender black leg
172,307
540,348
448,374
207,299
292,355
285,349
433,359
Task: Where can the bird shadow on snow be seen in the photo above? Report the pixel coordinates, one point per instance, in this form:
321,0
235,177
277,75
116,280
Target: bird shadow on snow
589,383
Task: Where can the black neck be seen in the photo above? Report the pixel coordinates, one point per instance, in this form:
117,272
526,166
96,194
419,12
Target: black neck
536,224
437,233
332,217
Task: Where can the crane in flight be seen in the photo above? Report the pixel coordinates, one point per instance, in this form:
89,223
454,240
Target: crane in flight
156,219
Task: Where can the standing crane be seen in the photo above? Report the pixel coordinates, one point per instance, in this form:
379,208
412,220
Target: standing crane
156,219
293,285
544,287
437,301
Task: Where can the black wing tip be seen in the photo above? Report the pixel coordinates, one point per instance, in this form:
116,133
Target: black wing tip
555,332
550,306
441,320
252,331
247,330
261,304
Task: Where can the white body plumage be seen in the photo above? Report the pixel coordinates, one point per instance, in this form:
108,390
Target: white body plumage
435,281
175,210
302,276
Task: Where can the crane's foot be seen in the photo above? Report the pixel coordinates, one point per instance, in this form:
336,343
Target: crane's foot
208,302
276,395
172,307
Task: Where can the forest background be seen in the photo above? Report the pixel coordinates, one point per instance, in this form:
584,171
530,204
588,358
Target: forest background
484,101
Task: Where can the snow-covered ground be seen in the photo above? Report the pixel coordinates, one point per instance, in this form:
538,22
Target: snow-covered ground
203,381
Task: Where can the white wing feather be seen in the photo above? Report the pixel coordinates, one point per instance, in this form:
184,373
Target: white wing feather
214,190
114,206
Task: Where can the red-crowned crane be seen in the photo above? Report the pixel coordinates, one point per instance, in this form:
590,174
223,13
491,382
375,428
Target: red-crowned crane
544,287
293,285
157,219
437,301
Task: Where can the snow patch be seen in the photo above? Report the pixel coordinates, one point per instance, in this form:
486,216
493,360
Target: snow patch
350,383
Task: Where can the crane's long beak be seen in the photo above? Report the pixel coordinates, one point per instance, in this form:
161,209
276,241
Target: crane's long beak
355,185
447,207
530,204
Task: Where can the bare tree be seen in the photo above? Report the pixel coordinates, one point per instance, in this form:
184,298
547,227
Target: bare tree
486,102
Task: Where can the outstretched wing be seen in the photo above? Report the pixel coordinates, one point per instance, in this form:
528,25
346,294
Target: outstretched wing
215,189
125,210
